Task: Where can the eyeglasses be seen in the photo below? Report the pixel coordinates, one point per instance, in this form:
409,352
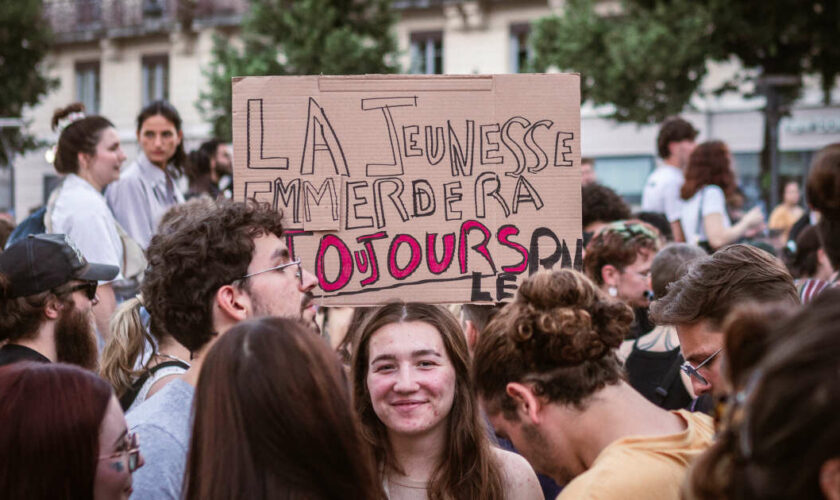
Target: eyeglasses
132,443
89,287
298,272
695,372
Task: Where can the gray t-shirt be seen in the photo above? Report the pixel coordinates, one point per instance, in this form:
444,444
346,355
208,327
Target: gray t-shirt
163,425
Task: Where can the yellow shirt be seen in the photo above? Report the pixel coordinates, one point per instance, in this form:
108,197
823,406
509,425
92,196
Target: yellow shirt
643,467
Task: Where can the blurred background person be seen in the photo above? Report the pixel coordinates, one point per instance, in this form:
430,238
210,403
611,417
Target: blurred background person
205,168
618,260
587,171
419,414
550,381
780,436
709,180
823,191
809,265
785,215
661,193
63,435
89,156
287,430
147,188
601,205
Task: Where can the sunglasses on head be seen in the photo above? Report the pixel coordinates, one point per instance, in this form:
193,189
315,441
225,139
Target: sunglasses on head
630,230
89,287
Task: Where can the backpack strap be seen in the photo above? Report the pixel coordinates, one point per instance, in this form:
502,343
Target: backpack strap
665,384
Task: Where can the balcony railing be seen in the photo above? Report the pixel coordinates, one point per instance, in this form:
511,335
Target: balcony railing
78,20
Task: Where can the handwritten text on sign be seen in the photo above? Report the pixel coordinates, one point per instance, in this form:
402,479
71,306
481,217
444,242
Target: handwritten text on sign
446,189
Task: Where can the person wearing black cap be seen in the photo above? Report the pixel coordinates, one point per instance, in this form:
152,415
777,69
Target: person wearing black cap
47,291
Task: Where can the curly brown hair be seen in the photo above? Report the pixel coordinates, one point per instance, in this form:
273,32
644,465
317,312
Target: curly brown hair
560,334
189,264
709,164
619,245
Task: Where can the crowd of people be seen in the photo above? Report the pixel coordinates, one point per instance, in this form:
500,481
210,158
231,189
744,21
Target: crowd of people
157,345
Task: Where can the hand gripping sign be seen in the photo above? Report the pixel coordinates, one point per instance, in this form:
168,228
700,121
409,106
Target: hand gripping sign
440,189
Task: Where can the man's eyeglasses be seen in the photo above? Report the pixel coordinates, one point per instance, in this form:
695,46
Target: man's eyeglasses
89,287
695,371
298,271
132,444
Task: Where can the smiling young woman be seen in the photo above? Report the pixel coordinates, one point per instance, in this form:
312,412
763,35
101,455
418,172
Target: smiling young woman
419,413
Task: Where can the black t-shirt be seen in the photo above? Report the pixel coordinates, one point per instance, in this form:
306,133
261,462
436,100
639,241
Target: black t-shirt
656,375
12,353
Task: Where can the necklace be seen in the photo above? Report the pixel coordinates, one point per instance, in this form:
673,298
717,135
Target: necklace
174,358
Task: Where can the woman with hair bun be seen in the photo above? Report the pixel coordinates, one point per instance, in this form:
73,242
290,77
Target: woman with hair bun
89,155
412,390
147,188
549,380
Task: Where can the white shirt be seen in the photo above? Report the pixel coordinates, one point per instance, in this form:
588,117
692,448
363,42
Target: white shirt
714,202
82,213
662,192
141,197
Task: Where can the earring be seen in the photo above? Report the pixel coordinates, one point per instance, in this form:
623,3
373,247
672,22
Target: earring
613,291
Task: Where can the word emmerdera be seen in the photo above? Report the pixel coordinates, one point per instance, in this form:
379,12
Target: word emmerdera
382,183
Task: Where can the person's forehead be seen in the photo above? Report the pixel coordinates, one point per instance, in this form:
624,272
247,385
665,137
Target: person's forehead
699,339
405,338
268,247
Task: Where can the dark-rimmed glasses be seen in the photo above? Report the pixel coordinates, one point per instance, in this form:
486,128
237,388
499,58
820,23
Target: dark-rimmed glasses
89,287
298,272
133,451
692,371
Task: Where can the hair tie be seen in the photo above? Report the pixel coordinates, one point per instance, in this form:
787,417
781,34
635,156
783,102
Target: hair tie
69,120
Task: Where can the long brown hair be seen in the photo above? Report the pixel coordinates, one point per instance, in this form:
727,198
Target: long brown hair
783,426
273,420
467,468
709,164
49,433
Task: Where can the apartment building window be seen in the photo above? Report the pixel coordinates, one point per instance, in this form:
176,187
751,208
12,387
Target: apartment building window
427,53
155,78
626,175
87,85
520,51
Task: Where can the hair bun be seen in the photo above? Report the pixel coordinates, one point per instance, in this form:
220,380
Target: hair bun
568,321
62,113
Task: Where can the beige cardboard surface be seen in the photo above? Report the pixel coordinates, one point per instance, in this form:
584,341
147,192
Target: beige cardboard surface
442,189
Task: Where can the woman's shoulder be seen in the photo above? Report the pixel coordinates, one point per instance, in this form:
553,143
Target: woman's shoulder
519,477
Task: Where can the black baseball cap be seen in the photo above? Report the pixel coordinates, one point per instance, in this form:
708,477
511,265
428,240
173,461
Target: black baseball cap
41,262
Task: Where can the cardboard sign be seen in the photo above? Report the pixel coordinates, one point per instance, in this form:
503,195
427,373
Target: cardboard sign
440,189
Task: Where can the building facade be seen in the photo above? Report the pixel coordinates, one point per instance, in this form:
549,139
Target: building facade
116,55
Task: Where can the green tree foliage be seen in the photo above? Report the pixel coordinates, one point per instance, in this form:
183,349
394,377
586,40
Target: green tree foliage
300,37
649,58
24,41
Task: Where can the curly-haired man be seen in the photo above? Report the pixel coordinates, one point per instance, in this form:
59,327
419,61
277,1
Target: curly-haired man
216,268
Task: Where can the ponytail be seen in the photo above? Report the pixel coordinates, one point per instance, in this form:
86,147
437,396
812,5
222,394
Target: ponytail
127,343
